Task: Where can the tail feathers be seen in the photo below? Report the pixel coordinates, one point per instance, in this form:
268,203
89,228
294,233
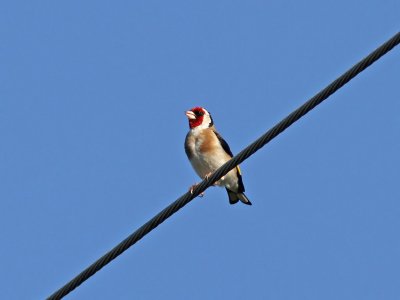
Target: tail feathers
235,197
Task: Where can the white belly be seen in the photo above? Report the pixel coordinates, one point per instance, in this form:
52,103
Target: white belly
205,164
208,162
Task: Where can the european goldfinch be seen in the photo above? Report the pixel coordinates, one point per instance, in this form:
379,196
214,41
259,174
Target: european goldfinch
207,151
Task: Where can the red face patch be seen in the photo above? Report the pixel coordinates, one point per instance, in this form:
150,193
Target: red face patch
199,113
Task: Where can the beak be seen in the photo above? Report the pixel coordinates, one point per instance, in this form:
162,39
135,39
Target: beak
190,115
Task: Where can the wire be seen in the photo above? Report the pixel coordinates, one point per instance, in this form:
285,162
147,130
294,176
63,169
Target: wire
243,155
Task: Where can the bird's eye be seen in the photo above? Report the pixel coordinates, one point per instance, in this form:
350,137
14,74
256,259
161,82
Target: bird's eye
198,113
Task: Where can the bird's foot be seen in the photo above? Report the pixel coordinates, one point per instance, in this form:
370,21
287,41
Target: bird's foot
193,187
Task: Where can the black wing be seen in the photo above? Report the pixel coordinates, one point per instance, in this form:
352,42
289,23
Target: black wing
226,148
224,144
188,151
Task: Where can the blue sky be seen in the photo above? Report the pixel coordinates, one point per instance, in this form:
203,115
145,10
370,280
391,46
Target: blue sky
92,101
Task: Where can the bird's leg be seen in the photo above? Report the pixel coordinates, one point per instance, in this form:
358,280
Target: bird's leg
215,183
205,177
193,187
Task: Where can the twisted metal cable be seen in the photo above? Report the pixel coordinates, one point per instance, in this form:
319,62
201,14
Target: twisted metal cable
223,170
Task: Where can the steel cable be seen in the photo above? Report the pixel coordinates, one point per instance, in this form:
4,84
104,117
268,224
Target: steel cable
243,155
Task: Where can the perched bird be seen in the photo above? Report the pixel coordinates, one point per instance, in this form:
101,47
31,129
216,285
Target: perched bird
207,151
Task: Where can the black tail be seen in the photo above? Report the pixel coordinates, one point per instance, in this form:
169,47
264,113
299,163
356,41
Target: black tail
235,197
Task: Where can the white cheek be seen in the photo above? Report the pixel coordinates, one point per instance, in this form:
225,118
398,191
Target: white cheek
205,124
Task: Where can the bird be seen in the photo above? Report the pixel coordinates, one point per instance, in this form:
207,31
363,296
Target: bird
207,151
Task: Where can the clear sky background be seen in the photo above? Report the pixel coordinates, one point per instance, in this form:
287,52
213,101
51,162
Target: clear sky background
92,125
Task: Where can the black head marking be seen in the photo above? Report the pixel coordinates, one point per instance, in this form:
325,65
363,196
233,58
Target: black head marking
212,122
